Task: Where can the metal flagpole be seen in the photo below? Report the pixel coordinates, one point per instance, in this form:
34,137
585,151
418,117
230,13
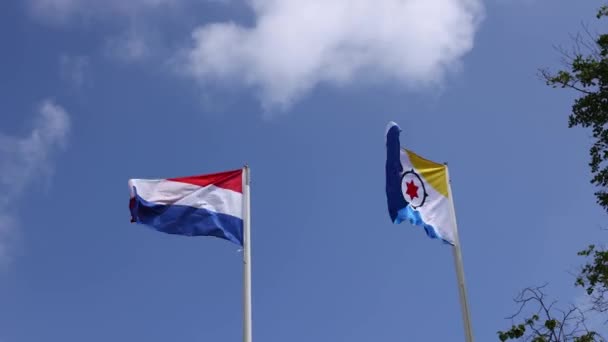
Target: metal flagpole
464,303
246,258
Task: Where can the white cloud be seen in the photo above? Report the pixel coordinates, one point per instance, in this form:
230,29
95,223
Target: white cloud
73,68
130,37
26,160
132,46
7,235
61,10
296,45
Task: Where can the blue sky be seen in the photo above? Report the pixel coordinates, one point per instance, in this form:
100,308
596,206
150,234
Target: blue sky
94,95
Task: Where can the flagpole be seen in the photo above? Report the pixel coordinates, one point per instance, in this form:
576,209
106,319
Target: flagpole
247,336
464,303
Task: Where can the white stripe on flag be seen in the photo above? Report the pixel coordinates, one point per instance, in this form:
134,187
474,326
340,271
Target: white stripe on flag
211,197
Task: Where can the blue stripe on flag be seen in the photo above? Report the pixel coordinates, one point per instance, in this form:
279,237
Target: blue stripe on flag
413,217
186,220
394,196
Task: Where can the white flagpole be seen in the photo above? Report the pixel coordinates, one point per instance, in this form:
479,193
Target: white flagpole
247,336
464,303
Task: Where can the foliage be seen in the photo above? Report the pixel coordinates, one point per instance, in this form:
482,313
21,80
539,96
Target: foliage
588,75
594,277
547,323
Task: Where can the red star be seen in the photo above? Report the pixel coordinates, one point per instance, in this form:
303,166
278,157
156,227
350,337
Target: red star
412,190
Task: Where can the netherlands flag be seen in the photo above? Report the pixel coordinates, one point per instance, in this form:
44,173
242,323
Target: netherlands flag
205,205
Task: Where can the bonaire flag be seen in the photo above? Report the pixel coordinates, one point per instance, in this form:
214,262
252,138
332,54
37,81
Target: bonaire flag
205,205
417,190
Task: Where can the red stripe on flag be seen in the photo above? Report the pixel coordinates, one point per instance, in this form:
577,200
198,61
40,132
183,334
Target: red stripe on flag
231,180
